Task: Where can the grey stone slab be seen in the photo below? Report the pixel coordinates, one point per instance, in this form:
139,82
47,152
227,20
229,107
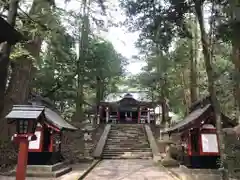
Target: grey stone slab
153,144
128,169
101,143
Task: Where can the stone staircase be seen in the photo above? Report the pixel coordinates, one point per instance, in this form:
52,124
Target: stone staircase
127,141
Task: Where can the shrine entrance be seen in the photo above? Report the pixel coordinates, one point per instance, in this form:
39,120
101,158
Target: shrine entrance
128,116
126,110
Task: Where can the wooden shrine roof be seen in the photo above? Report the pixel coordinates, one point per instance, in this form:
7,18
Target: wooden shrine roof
189,120
127,100
25,112
8,33
194,119
35,111
117,104
56,119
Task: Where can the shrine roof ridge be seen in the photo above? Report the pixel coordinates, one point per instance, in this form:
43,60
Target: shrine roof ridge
34,112
25,112
189,119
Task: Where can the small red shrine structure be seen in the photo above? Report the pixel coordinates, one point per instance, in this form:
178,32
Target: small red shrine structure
126,110
46,149
198,135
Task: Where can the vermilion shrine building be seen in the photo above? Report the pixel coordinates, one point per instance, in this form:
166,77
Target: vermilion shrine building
46,149
126,109
197,133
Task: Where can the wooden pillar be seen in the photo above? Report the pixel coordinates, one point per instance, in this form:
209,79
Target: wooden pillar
22,159
98,119
107,114
51,141
60,143
148,115
99,114
189,144
118,115
139,114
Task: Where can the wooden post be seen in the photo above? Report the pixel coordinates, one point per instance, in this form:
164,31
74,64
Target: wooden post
51,142
22,159
98,119
148,115
139,114
107,114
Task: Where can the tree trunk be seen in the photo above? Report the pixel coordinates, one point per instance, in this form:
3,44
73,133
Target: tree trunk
211,85
4,64
22,68
236,61
185,92
236,53
83,42
98,91
193,67
4,57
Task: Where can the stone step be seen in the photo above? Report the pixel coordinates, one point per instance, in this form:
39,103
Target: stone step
125,140
125,157
47,174
46,168
126,144
124,134
110,146
134,140
128,150
136,131
128,139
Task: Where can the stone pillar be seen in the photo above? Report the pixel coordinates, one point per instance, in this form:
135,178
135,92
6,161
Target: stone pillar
107,114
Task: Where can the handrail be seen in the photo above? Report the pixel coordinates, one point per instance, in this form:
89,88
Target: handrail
102,141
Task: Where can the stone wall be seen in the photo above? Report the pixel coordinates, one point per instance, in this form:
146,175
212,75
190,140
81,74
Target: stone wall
96,134
75,149
8,155
155,130
232,151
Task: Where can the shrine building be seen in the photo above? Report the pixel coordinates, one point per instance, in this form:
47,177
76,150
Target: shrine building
46,149
126,108
198,136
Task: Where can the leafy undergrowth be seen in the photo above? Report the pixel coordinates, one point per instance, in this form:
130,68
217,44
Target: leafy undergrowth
8,156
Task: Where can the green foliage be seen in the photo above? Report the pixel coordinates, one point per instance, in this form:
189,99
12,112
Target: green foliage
167,29
56,75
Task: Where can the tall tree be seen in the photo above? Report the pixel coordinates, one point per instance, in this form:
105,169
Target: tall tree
4,59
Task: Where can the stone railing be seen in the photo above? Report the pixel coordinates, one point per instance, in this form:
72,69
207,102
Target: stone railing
101,143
